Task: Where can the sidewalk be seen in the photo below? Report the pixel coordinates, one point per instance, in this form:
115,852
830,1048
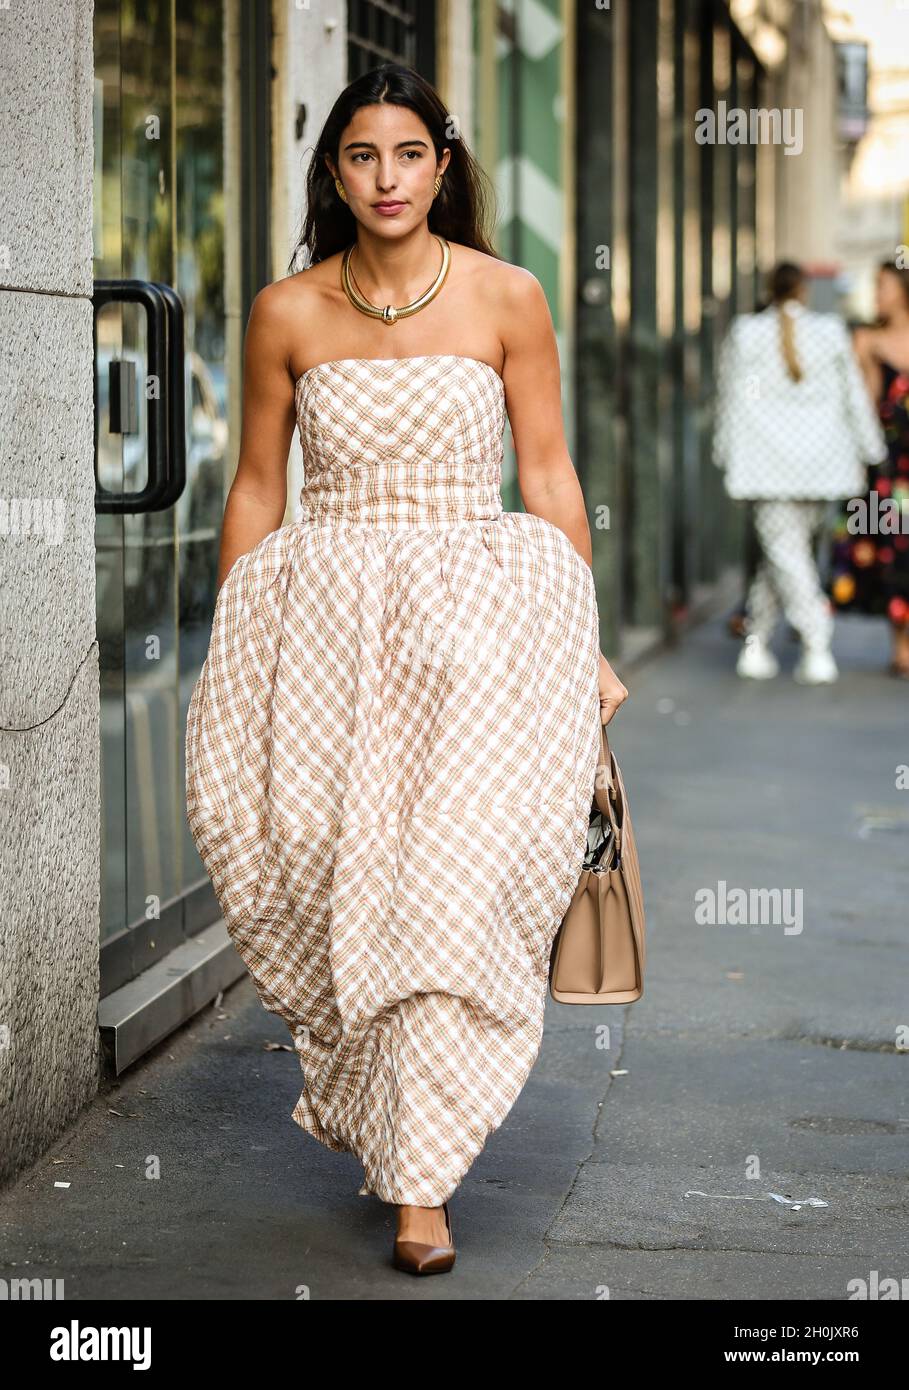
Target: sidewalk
750,1045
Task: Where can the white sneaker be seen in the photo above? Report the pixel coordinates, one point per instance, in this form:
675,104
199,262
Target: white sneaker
816,668
756,661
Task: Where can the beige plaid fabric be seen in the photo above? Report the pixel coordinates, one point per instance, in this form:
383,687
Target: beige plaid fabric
390,754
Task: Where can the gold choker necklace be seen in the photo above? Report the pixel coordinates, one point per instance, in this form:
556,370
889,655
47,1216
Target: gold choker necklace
390,314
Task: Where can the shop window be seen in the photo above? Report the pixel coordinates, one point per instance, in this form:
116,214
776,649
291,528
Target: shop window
396,31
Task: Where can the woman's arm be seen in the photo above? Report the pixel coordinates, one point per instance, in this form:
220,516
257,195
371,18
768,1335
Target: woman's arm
547,480
863,341
861,391
257,498
728,395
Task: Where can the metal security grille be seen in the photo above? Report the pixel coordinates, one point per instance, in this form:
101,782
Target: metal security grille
396,31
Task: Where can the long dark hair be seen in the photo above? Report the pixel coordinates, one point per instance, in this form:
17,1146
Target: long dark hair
784,282
902,275
460,211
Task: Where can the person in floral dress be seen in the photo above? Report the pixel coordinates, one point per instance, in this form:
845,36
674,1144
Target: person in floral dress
870,569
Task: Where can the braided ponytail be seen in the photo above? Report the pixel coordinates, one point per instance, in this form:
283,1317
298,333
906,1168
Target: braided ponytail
785,282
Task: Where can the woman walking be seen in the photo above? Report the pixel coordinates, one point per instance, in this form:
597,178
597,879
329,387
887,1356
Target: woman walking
794,424
392,745
871,561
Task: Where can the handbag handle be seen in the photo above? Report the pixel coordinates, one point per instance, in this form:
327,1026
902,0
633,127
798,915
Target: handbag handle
608,804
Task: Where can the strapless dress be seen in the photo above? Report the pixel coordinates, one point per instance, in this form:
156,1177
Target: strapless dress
390,758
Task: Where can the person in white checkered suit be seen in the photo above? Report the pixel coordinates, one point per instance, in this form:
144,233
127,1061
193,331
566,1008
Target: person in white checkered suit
795,426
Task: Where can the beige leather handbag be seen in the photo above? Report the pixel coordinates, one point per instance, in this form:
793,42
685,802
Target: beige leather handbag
599,952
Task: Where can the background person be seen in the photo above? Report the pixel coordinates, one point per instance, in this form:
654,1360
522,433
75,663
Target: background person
794,425
871,570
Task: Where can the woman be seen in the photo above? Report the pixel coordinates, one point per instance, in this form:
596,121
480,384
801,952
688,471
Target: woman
794,424
871,551
392,746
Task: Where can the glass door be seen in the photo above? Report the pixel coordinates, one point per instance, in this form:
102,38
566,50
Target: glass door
159,219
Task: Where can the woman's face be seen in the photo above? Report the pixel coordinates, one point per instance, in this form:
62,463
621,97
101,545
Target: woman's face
891,297
386,156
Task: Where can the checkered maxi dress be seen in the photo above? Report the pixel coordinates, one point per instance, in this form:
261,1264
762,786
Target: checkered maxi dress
390,757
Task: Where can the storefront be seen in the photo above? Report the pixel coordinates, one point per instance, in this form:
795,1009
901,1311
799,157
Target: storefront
666,254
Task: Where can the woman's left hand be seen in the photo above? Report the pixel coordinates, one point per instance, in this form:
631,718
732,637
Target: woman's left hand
612,692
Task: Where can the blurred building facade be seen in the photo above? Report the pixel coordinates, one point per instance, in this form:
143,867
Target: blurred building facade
181,135
874,211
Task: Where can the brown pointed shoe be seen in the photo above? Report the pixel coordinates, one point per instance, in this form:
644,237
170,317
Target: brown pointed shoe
416,1258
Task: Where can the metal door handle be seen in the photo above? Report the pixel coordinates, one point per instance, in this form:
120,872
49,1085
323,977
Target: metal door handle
166,427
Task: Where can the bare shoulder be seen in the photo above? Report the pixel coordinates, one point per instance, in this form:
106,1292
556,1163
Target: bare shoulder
290,310
518,289
500,280
866,340
304,292
514,298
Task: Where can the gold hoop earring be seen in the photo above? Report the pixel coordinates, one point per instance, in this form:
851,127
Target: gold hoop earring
342,194
438,185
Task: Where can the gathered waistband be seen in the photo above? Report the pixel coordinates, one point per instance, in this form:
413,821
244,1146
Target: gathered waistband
393,498
305,518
